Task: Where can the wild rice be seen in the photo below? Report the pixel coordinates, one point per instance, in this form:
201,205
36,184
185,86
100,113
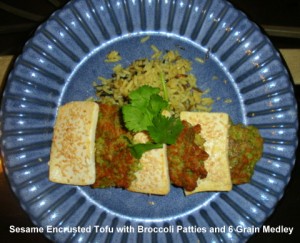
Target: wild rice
180,82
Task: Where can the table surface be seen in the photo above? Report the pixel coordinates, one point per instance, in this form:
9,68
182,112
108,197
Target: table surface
286,212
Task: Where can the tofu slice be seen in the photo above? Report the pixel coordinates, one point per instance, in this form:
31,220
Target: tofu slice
214,129
153,178
72,157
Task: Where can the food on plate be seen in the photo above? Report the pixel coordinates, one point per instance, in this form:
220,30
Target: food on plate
246,147
115,165
147,152
186,157
214,129
183,93
113,56
153,177
72,157
145,112
151,128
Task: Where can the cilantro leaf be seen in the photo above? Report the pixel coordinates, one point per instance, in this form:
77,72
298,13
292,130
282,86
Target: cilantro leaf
156,104
145,103
136,119
165,129
137,150
141,96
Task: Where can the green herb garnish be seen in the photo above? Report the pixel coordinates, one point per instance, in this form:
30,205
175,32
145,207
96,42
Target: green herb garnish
165,129
137,150
163,83
145,104
144,113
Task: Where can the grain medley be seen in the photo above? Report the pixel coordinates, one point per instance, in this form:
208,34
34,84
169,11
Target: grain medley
181,84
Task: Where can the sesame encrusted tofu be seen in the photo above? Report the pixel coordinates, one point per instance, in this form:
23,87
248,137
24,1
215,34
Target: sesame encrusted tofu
153,178
214,129
72,157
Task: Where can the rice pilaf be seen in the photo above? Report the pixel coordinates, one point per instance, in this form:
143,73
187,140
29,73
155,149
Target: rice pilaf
181,84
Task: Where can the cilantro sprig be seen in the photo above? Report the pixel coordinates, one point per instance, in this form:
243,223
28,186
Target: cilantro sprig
144,113
145,104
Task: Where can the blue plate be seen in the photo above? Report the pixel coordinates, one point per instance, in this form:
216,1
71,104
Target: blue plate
242,70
